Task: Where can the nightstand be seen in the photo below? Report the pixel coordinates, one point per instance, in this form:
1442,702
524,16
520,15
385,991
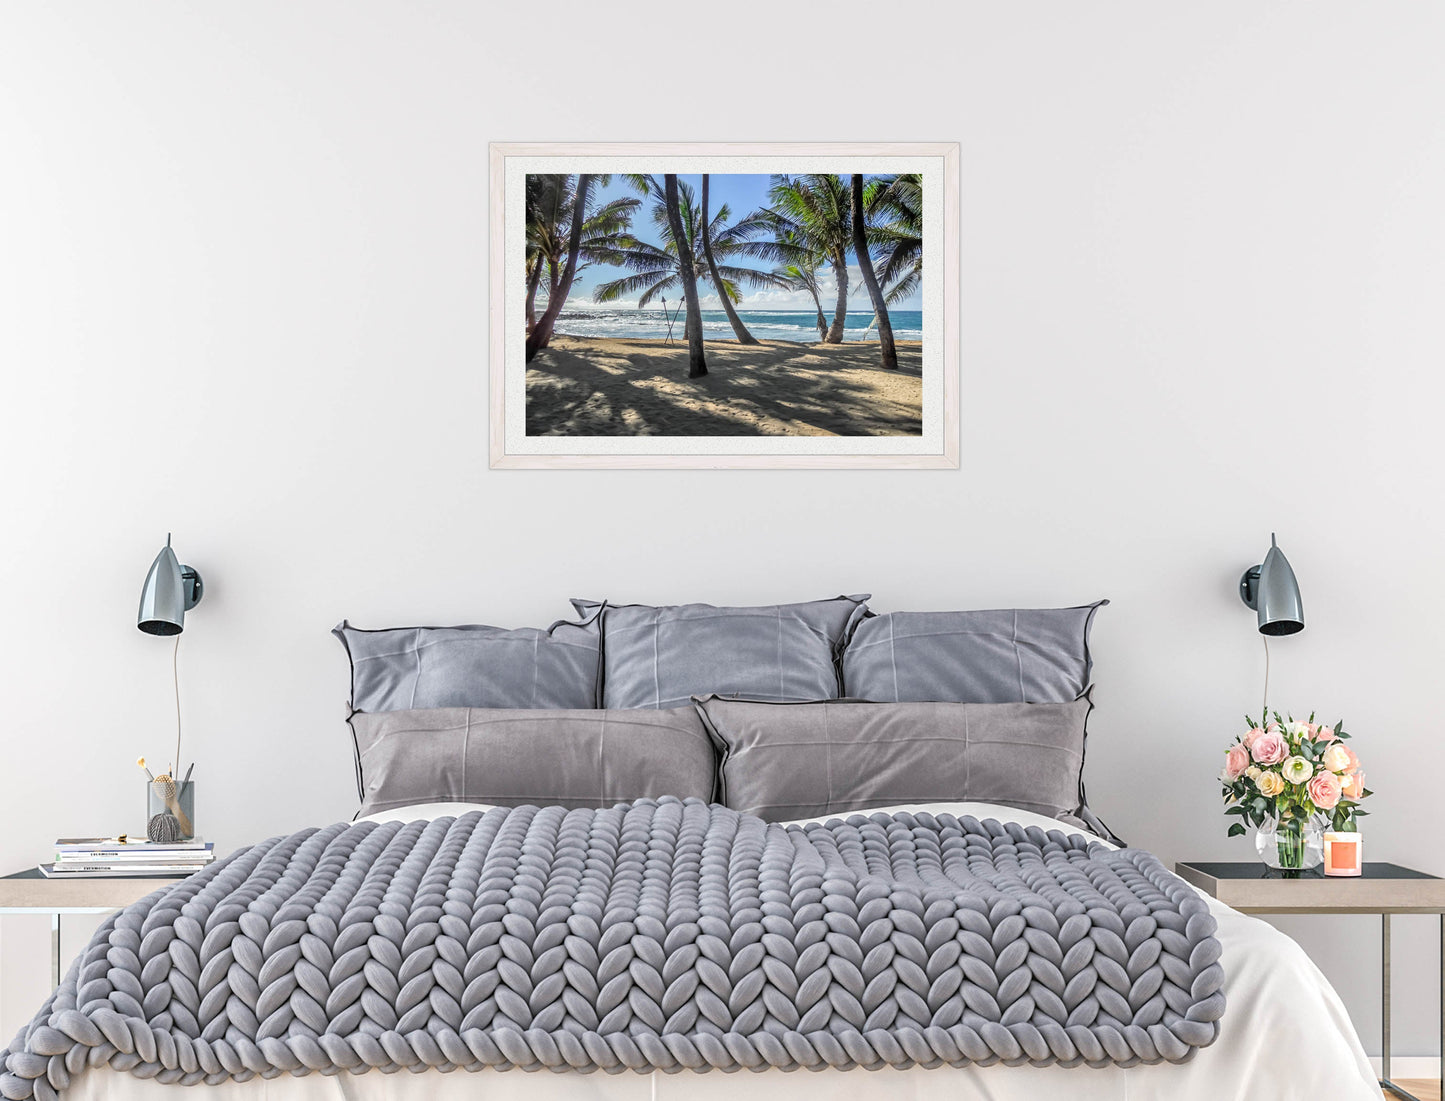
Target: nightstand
29,892
1383,889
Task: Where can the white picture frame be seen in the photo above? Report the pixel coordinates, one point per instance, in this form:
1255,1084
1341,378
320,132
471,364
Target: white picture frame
935,447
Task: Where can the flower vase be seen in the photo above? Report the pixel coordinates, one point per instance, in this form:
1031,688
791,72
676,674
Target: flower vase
1291,845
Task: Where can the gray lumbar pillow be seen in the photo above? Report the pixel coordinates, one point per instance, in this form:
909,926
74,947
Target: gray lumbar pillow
528,757
1009,656
663,656
406,668
802,760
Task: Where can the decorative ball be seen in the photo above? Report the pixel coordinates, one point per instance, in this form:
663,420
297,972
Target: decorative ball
163,829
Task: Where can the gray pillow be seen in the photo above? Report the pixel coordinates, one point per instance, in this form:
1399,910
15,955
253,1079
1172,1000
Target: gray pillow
804,760
406,668
515,757
662,657
1009,656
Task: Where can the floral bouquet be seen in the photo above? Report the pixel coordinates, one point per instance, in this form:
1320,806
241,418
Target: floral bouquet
1292,777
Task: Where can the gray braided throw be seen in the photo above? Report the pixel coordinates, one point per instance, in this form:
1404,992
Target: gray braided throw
657,935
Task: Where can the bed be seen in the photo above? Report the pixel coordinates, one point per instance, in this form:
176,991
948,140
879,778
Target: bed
800,850
1286,1034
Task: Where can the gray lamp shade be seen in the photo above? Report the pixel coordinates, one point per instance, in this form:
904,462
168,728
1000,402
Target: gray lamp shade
1272,591
170,591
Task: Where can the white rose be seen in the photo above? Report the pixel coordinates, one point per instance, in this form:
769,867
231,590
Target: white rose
1253,772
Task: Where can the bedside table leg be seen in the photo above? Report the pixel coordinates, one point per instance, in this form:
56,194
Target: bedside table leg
54,951
1385,997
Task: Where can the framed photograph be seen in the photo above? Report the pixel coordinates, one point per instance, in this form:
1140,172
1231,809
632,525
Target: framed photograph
724,305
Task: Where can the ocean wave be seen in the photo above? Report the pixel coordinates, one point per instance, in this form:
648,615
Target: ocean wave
800,327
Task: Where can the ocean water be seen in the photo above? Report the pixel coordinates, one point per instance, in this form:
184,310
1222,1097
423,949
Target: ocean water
799,326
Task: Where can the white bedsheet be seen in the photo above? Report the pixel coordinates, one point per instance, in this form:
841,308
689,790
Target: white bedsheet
1285,1034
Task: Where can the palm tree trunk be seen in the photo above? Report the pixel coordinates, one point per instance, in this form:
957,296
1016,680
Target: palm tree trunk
541,334
822,321
696,358
739,329
865,265
532,281
840,312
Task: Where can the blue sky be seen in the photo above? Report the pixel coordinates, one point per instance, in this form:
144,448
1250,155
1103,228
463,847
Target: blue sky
742,194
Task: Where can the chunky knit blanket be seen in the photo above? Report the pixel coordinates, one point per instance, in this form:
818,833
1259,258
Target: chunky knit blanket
657,935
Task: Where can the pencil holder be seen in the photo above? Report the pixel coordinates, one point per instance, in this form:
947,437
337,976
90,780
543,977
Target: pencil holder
170,811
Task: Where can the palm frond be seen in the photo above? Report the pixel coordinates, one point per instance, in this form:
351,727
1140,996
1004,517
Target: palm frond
750,276
650,281
904,287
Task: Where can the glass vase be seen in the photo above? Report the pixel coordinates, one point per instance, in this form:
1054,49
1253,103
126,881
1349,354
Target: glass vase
1291,844
170,811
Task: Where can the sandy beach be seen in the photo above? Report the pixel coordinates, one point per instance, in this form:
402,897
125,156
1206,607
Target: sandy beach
586,386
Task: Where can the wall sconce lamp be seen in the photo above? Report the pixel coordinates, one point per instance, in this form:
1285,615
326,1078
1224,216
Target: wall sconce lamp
1271,590
171,590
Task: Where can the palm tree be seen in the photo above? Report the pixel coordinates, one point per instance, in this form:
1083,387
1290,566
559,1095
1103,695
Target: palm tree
865,266
739,329
814,211
541,334
655,269
696,359
549,217
895,211
544,213
804,277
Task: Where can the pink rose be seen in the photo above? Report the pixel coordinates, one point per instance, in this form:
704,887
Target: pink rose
1324,790
1253,736
1236,760
1269,748
1325,734
1353,786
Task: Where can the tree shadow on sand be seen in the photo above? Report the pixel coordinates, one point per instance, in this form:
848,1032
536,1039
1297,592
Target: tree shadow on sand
639,388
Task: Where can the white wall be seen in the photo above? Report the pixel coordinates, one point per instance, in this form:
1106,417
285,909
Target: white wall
243,297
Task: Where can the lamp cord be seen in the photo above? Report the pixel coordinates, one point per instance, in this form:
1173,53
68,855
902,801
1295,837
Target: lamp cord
1266,682
176,678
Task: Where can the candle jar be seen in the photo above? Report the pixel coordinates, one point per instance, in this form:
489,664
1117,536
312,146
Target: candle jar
1344,853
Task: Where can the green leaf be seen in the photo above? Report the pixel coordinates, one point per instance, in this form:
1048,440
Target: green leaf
1237,830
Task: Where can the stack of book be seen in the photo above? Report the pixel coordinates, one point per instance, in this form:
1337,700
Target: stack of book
79,857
